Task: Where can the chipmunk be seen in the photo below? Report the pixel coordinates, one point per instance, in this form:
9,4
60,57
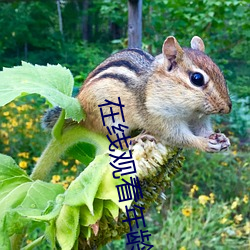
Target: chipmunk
170,96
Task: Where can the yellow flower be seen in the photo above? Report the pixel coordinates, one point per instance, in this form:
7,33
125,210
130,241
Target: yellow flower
197,242
77,162
23,164
245,199
24,154
65,185
12,105
223,235
238,233
65,163
55,178
224,164
223,220
203,199
187,211
35,159
4,134
234,152
6,113
29,124
70,178
193,190
247,227
211,195
235,203
183,248
238,218
73,168
14,123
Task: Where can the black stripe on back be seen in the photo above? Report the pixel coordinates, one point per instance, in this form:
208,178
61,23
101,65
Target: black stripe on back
118,77
118,63
142,53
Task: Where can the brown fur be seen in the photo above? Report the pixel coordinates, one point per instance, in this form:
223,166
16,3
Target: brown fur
158,95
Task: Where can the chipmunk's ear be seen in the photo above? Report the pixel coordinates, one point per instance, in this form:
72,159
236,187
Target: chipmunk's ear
197,43
171,49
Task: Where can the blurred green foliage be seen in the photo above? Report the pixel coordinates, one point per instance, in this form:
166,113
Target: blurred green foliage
30,32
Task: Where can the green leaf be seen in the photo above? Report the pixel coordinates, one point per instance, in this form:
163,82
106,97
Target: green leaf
53,82
9,168
108,191
39,194
83,152
58,127
86,218
14,198
6,186
83,189
67,226
112,207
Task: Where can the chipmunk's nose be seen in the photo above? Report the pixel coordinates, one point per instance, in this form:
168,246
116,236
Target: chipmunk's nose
227,108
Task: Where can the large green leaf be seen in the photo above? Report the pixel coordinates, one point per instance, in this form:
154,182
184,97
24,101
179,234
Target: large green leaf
83,189
86,218
22,200
83,152
67,226
9,168
53,82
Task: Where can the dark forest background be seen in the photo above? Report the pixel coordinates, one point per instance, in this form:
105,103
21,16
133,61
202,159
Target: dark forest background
207,206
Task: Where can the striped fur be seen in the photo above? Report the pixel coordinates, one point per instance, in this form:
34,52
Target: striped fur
158,94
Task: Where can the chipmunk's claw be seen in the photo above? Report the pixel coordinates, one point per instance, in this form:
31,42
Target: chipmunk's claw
218,142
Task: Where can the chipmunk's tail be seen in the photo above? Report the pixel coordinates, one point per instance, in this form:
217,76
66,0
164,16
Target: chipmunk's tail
50,117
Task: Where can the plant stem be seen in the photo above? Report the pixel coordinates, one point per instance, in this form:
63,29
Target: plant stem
57,147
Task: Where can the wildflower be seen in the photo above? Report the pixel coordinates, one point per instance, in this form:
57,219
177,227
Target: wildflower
73,168
234,152
35,159
223,220
211,195
247,227
235,203
65,163
55,178
245,199
193,190
24,155
203,199
4,134
23,164
6,113
183,248
65,185
224,164
29,124
238,233
187,211
197,242
14,123
77,162
70,178
238,218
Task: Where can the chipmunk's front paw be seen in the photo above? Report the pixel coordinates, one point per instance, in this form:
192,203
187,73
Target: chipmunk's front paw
142,138
218,142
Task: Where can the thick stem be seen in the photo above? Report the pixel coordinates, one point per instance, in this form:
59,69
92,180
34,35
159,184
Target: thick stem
57,147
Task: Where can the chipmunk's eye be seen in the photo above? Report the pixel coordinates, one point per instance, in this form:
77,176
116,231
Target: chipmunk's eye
197,79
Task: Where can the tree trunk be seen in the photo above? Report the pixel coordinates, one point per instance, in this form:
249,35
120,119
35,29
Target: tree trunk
59,16
135,23
85,20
